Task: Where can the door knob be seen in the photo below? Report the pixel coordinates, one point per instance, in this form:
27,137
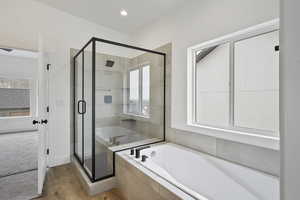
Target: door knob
34,122
45,121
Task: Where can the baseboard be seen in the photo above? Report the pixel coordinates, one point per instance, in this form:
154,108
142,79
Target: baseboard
59,161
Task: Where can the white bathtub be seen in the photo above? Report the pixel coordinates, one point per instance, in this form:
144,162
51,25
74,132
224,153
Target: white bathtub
205,177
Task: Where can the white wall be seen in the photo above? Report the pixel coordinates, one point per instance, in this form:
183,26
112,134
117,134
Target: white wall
20,23
290,98
19,68
200,21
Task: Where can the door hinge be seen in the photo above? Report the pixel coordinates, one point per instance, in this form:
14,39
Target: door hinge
276,48
48,67
47,109
47,151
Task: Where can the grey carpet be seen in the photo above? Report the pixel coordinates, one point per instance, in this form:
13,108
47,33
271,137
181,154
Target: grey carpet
18,165
19,187
18,152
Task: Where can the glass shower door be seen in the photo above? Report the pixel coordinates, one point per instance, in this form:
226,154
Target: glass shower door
83,92
88,115
78,106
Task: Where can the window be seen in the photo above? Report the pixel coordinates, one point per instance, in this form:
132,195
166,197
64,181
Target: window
145,90
212,86
139,91
134,90
14,97
236,85
256,83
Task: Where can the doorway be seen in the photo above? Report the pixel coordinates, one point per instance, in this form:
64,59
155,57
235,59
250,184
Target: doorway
23,92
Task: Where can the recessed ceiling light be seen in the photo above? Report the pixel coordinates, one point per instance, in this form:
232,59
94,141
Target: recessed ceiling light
123,12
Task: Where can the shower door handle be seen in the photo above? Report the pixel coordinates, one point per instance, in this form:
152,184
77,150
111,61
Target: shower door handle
83,107
78,106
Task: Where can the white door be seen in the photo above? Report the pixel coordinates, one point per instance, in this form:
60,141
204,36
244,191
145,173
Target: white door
42,118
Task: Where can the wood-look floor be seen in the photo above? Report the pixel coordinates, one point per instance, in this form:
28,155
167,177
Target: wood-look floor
62,183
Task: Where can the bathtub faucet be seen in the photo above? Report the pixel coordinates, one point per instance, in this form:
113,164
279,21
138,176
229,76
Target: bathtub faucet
138,151
144,157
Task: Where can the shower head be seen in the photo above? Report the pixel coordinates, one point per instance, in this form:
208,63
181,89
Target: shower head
109,63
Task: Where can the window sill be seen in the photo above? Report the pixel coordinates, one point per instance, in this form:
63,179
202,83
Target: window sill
233,135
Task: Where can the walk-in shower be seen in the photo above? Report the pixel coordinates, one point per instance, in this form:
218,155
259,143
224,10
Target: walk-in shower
119,102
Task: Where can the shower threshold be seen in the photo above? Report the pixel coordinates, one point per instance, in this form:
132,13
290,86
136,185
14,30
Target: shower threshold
93,188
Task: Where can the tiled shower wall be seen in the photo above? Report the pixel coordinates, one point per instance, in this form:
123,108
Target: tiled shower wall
262,159
109,84
111,81
151,127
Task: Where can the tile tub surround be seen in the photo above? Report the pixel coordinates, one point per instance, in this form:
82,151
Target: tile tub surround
134,184
262,159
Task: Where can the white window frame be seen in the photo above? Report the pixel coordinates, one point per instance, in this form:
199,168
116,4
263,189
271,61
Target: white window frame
243,135
140,101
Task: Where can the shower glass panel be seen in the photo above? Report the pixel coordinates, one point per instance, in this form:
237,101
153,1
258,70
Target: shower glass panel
88,108
78,118
123,102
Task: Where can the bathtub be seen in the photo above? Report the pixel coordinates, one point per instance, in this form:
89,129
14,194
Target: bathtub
204,177
122,135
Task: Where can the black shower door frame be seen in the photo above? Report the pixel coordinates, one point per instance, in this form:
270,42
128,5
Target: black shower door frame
94,41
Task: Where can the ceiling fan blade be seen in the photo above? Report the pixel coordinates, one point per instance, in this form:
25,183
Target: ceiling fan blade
6,49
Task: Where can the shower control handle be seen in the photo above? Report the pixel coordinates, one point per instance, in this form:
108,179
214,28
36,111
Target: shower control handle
132,152
138,151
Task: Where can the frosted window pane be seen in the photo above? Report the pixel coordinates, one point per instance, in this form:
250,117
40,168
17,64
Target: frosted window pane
256,88
212,85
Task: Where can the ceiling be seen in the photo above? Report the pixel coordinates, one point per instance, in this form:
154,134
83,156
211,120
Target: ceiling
107,12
